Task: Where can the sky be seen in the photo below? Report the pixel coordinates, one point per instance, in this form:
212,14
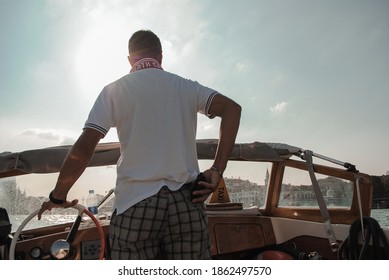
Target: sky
313,74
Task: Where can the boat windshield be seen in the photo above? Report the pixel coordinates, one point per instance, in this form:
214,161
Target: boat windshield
246,182
22,195
297,190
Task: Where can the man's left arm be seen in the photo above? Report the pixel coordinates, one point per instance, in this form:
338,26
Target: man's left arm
72,168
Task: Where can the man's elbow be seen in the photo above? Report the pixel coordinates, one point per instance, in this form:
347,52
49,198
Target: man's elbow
235,109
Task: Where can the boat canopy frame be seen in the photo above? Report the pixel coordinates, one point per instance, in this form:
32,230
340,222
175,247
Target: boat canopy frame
49,160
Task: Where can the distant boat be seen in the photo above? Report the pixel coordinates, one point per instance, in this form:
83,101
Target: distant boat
380,203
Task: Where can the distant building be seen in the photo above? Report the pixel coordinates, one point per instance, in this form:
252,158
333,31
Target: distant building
336,192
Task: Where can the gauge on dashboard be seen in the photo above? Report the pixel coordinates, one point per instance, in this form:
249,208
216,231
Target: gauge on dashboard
36,253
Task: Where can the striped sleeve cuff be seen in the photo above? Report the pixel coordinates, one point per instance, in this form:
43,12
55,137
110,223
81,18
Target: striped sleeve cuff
96,127
209,101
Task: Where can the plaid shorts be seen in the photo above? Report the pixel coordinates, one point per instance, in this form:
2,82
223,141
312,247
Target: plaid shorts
165,226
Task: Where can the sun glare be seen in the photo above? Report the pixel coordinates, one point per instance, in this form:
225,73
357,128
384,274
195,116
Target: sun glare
100,58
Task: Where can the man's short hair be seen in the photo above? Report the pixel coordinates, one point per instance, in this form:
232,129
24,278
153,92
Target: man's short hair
144,42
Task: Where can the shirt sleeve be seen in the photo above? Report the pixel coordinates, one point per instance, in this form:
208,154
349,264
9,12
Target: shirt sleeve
205,97
209,102
101,115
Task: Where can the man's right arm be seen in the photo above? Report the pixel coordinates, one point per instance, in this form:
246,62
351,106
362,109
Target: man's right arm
229,111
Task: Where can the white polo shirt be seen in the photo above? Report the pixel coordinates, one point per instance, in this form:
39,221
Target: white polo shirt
155,114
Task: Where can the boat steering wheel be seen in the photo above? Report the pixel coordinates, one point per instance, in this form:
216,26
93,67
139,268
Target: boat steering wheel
60,249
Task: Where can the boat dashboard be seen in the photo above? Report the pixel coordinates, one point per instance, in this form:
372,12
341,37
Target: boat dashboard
235,236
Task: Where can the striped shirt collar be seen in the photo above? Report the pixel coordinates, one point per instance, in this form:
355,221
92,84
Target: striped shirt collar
145,63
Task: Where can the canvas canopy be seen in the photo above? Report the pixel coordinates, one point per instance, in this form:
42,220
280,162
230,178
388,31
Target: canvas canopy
49,160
